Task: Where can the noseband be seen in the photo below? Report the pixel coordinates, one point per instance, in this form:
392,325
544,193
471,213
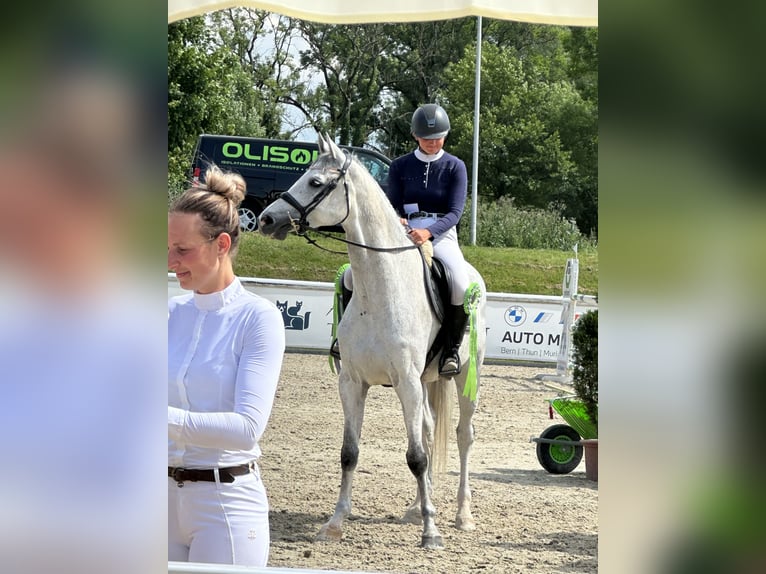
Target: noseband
304,211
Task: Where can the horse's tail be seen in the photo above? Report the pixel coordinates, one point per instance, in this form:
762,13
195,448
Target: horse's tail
440,400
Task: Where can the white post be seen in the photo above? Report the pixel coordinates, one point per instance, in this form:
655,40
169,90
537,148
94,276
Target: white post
475,161
568,313
569,297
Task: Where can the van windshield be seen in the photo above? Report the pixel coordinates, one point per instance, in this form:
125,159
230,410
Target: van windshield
377,168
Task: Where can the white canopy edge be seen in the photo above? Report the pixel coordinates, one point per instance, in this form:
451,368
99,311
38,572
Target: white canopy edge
560,12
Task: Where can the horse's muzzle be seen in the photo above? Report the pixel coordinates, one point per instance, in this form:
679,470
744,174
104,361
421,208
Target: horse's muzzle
268,226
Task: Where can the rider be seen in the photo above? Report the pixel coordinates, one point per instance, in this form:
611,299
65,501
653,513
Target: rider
428,189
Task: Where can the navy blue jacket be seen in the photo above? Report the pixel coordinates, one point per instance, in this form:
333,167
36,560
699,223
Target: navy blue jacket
440,186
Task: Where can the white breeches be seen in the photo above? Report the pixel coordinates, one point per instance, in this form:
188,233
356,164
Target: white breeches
221,523
447,249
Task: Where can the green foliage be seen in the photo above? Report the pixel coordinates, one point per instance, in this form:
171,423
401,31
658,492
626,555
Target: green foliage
422,52
585,362
537,136
238,71
502,224
352,61
210,90
582,45
374,76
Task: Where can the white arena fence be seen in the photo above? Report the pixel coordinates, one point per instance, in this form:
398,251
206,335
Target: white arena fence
520,328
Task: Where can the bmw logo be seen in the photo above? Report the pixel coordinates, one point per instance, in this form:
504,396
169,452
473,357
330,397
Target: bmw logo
515,315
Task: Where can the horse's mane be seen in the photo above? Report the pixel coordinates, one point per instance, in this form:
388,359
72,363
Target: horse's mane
367,185
370,186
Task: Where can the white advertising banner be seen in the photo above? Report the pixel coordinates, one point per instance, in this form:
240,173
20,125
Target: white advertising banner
526,328
523,328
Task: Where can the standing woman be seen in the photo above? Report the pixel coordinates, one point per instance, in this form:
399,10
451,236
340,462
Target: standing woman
428,189
225,349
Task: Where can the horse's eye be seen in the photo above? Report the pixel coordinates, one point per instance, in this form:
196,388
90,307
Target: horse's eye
316,181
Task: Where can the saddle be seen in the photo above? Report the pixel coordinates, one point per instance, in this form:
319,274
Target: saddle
438,280
438,283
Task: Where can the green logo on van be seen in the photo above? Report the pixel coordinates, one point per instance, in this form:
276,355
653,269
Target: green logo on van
301,156
275,154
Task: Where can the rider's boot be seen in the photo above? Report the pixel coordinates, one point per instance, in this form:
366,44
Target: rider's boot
450,360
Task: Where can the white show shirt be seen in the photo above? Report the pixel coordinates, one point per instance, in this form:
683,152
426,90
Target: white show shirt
225,353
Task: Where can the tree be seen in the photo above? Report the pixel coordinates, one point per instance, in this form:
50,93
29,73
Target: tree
208,92
585,362
370,78
582,46
423,52
350,61
520,152
263,44
532,122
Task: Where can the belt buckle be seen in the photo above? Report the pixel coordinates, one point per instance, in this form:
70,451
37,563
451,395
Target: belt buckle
177,476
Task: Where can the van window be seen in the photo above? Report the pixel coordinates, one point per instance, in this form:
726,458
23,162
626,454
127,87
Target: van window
377,167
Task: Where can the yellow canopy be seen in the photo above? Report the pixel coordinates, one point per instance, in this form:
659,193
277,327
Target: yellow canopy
561,12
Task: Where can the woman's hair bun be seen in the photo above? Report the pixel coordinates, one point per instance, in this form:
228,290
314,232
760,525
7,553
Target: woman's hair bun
228,184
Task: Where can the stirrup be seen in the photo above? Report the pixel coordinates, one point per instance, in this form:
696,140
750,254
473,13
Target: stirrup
450,365
335,349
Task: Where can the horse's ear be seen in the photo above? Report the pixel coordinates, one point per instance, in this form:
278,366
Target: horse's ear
327,145
322,142
334,150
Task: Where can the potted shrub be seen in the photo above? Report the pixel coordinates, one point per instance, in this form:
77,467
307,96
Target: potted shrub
585,379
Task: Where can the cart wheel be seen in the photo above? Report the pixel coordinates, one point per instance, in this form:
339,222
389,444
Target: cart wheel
559,458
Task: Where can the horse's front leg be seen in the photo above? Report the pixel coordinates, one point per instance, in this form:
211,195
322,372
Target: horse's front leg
411,397
353,395
465,436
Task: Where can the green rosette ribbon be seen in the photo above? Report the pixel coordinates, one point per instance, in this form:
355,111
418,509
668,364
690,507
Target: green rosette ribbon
470,304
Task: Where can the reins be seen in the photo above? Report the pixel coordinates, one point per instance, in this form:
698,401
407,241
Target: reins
301,231
300,226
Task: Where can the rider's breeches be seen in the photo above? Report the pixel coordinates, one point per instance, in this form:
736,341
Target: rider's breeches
219,522
447,249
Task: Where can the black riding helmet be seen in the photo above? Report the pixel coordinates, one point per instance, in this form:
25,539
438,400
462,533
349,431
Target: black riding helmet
430,122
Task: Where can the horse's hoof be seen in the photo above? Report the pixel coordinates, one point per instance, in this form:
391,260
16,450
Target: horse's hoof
329,533
465,524
432,542
413,516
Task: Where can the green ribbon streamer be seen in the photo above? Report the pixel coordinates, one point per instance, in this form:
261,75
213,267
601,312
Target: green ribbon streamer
470,303
336,311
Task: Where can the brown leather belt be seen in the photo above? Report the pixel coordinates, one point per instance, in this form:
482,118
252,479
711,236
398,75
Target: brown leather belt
180,475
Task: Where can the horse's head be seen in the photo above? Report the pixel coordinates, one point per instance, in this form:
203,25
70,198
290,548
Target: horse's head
318,199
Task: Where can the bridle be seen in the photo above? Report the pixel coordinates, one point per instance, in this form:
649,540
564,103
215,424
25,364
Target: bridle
301,225
328,188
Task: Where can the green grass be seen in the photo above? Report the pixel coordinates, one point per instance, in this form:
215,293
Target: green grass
505,270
